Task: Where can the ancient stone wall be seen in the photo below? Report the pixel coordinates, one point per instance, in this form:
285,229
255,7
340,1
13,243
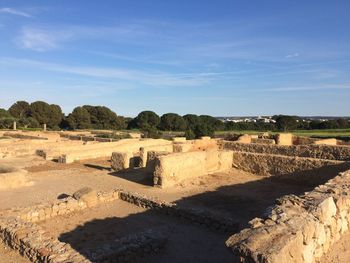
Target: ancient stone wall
106,149
297,229
168,147
174,168
270,164
284,139
329,152
331,141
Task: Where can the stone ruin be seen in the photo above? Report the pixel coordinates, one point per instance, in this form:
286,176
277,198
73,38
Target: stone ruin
298,228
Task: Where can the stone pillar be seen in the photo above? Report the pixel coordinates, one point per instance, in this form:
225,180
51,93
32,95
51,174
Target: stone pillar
44,126
14,126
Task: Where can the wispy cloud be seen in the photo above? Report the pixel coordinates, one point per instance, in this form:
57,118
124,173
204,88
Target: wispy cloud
41,39
13,11
146,77
294,55
335,86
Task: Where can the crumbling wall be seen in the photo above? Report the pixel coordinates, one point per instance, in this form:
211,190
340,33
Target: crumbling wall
168,147
121,160
205,143
106,149
284,139
270,164
297,229
174,168
329,152
245,138
331,141
151,160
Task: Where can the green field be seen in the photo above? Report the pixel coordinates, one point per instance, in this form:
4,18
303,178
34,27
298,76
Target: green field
342,134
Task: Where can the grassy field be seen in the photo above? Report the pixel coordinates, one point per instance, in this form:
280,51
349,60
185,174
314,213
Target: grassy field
342,134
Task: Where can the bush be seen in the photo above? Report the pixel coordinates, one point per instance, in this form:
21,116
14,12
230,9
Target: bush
7,123
151,132
189,134
28,123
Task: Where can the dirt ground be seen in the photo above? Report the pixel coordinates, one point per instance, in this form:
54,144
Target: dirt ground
105,223
237,194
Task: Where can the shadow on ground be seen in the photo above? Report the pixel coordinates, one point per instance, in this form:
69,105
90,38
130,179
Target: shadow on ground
192,243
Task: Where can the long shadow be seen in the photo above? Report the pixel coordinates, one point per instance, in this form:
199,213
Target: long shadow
97,167
188,242
140,175
185,242
246,201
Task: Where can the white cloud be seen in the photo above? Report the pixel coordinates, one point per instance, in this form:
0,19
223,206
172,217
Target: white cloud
294,55
40,39
14,11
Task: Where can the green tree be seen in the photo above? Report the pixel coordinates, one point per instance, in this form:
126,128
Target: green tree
79,119
45,113
29,122
203,129
19,109
192,121
212,122
286,122
4,113
104,118
172,122
189,134
147,119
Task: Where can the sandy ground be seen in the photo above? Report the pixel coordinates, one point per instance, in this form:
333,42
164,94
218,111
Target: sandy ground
7,255
237,194
105,223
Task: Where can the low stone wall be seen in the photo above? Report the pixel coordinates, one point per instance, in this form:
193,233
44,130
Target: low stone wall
329,152
270,164
326,142
34,243
18,229
198,216
297,229
263,141
106,149
174,168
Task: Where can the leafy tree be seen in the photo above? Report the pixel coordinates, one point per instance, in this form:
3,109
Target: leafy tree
212,122
286,122
19,109
192,121
331,124
7,122
189,134
147,119
151,132
29,122
79,119
203,129
104,118
45,113
172,122
4,113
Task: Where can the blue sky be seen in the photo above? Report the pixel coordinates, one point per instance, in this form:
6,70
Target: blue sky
205,57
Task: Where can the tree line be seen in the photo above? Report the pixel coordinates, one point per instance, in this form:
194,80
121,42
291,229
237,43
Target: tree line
34,115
